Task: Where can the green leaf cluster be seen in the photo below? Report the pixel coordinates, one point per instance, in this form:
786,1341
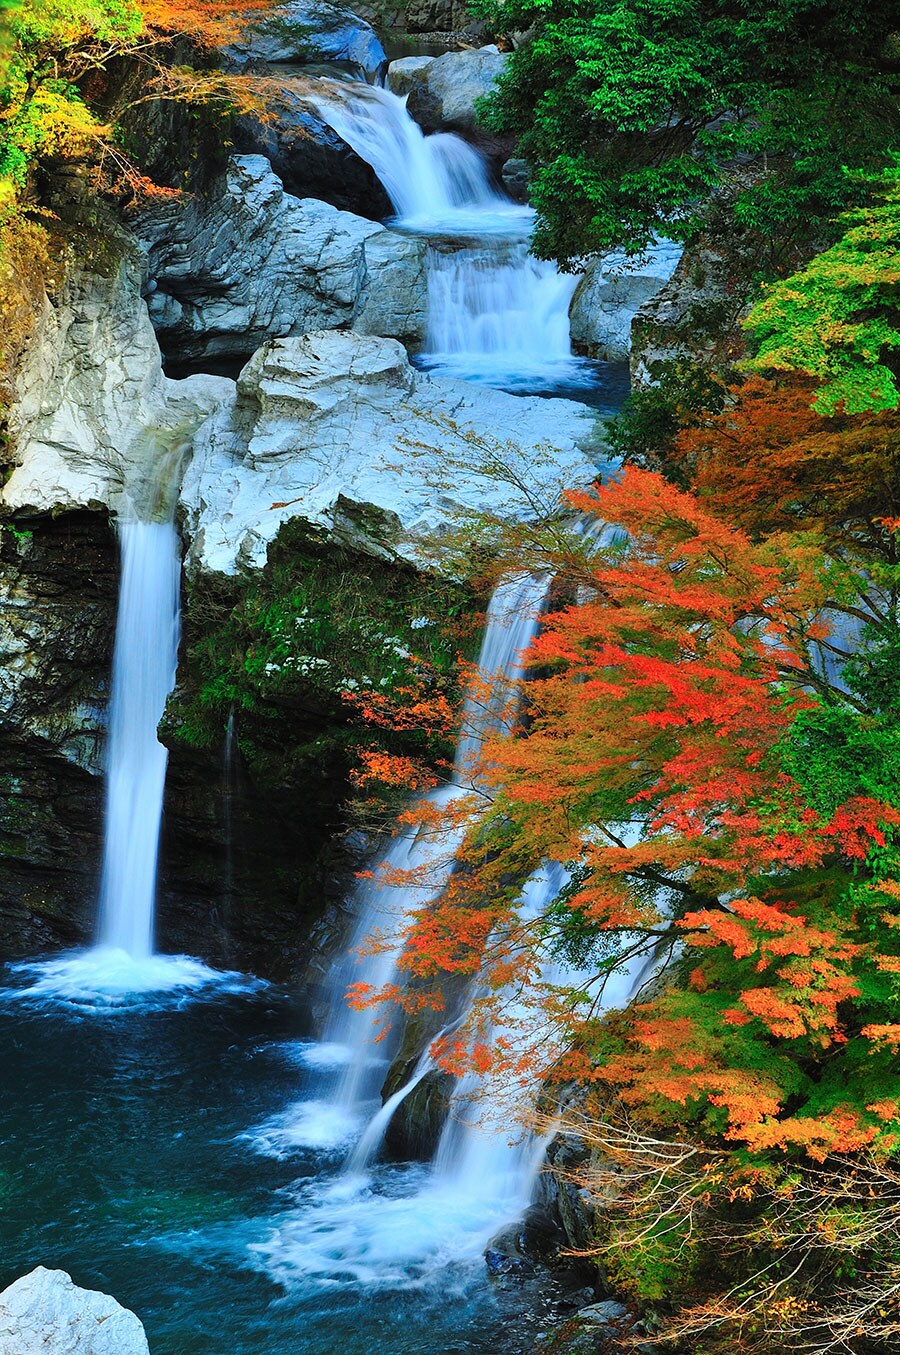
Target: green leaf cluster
839,318
631,112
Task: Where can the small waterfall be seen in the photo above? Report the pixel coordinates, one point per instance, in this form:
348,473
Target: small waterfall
496,314
500,317
435,182
146,652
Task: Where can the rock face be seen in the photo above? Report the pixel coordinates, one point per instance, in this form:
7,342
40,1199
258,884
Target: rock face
444,94
92,408
338,429
308,31
307,155
403,73
609,296
57,615
45,1313
252,262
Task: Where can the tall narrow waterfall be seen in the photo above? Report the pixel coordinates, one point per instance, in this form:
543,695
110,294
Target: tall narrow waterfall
146,653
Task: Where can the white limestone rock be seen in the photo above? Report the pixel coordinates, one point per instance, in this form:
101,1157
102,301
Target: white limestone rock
340,430
445,93
45,1313
254,263
611,293
92,410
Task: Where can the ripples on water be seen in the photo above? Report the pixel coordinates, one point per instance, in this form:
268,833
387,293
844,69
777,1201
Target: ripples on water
146,1150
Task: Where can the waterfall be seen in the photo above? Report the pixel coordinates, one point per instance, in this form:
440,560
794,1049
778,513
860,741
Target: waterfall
425,854
145,657
122,968
496,314
500,317
435,182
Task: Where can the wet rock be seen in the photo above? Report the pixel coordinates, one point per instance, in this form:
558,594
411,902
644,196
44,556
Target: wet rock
500,1262
531,1242
318,431
515,179
308,156
403,73
598,1329
251,262
310,31
610,295
444,96
45,1313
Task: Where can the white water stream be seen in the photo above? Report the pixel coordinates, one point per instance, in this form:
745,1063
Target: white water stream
146,655
496,314
123,966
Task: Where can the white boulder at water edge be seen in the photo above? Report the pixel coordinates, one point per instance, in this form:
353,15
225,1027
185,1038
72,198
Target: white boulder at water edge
46,1313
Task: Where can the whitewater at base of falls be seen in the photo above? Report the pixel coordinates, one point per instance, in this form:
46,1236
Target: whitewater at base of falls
107,979
122,969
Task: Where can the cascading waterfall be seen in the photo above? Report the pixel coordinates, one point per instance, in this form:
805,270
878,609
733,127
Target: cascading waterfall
495,313
499,316
424,856
399,1225
144,663
435,182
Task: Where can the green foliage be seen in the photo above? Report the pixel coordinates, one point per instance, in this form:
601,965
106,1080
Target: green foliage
839,318
645,431
319,622
630,112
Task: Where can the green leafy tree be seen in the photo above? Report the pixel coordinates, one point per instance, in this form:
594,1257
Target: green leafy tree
630,112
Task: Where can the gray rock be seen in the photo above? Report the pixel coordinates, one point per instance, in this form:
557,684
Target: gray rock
515,179
92,408
311,31
403,73
437,16
609,296
603,1314
254,262
45,1313
339,430
444,95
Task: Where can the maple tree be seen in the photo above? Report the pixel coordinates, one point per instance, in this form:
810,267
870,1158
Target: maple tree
657,764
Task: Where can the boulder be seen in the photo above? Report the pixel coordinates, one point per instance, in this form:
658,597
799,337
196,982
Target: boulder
307,154
514,174
338,429
403,73
252,262
612,291
305,32
45,1313
444,95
